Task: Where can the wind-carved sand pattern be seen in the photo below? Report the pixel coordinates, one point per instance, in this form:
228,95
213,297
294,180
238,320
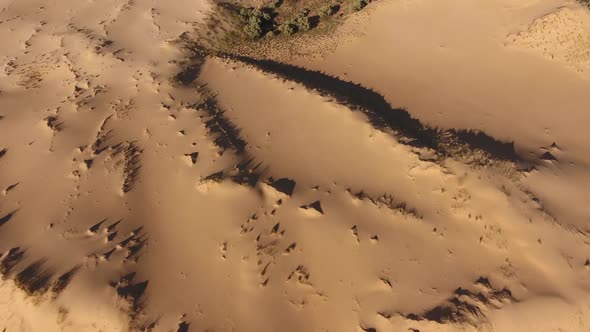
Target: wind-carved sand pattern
478,151
150,184
468,306
562,36
127,153
226,133
36,278
76,75
131,155
387,201
384,117
226,136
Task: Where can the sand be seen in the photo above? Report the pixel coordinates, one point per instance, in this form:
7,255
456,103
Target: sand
423,168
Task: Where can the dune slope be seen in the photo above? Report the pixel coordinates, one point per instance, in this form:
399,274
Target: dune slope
414,176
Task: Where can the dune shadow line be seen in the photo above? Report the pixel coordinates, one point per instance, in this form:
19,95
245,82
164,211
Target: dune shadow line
381,114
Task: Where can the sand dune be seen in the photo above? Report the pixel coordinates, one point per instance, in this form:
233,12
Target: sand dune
422,168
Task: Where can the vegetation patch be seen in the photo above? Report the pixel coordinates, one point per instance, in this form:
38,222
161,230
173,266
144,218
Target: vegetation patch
257,22
279,19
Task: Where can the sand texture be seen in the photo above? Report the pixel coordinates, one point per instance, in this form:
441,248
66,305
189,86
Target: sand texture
425,166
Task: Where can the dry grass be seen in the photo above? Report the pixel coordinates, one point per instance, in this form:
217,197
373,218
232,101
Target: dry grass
241,28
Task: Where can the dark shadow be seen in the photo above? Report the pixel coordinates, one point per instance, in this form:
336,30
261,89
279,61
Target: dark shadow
484,282
132,166
131,154
389,201
132,292
215,177
126,241
114,225
482,141
94,228
6,218
189,74
317,205
107,255
147,326
381,114
246,173
97,146
134,249
335,9
183,327
463,304
284,185
12,258
53,123
133,244
226,133
3,152
192,71
137,230
314,21
64,280
548,156
88,163
12,186
111,236
194,156
35,278
440,314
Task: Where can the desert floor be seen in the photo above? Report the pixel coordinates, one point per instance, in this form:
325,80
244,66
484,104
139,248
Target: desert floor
425,167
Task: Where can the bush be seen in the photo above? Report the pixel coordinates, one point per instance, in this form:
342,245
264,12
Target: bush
302,23
245,12
253,28
287,28
255,20
358,4
326,10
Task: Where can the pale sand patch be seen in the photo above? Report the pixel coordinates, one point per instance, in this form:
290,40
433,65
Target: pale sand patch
111,169
563,36
23,313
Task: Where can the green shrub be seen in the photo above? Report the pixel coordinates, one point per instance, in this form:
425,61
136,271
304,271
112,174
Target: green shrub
254,21
326,10
253,28
287,28
245,12
302,23
358,4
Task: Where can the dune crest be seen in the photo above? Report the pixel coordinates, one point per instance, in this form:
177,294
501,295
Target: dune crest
415,170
